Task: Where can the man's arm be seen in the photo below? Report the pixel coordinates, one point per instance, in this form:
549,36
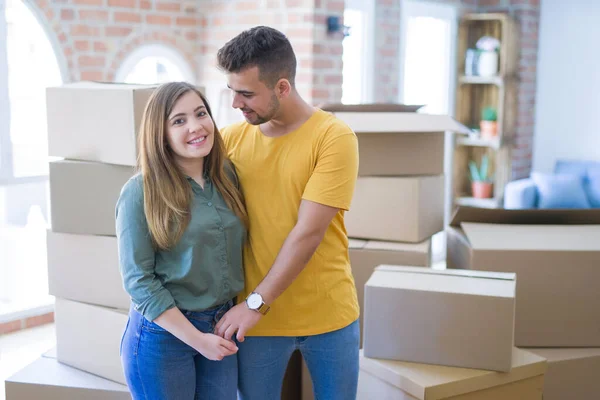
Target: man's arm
297,250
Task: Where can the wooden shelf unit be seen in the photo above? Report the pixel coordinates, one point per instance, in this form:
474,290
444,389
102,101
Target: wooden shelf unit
473,94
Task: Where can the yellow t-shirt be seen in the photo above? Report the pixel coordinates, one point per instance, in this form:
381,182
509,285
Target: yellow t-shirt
316,162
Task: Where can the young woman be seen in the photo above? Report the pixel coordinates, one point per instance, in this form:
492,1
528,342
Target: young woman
181,225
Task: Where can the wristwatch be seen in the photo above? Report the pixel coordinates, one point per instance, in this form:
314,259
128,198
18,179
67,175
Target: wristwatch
255,302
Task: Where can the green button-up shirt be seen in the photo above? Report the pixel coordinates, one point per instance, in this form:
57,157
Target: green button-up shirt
202,270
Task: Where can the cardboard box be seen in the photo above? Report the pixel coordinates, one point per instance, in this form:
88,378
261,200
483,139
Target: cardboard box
92,121
88,337
396,380
572,373
556,256
83,196
365,255
455,318
85,268
401,209
399,143
48,379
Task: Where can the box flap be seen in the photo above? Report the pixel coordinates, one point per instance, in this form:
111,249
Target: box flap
479,283
401,122
434,382
525,217
565,354
532,237
103,85
422,247
374,107
356,244
448,272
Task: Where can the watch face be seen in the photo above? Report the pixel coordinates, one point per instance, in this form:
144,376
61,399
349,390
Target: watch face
254,301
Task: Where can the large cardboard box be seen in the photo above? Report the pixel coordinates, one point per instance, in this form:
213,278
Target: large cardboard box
88,337
396,380
401,209
48,379
92,121
85,268
572,373
399,143
83,196
455,318
556,256
365,255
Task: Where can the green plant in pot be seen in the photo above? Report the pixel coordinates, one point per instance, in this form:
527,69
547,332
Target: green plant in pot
481,182
489,125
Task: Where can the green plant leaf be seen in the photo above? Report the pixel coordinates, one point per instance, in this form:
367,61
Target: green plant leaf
484,168
474,172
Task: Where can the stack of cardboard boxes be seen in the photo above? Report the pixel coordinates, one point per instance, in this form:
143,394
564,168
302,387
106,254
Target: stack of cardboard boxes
93,128
556,257
398,203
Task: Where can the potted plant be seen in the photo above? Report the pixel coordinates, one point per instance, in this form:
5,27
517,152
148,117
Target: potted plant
488,125
481,183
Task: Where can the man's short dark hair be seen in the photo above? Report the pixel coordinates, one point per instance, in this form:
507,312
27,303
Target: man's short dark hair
263,47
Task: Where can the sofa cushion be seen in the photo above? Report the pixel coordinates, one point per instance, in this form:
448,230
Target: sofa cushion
571,167
560,190
592,188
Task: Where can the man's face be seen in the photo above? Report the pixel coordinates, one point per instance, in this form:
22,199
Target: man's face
257,102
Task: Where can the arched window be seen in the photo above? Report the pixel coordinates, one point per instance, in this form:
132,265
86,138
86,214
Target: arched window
154,64
28,65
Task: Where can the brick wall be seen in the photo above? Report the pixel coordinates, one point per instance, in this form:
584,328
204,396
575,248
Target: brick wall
95,36
527,15
319,72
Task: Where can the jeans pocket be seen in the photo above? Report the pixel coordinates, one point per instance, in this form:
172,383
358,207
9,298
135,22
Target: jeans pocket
152,327
123,337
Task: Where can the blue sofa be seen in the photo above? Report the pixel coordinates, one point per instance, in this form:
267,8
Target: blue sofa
573,184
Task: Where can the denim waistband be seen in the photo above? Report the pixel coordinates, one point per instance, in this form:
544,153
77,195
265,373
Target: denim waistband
211,310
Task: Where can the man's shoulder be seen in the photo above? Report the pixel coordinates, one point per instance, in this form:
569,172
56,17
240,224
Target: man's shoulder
331,127
234,129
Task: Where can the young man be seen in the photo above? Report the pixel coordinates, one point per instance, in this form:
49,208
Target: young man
297,167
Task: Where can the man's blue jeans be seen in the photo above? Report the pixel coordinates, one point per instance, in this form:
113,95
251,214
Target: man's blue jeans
331,358
157,365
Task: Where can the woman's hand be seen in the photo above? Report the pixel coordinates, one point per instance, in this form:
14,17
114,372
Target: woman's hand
214,347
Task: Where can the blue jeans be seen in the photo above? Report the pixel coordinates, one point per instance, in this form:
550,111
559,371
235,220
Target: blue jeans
331,358
157,365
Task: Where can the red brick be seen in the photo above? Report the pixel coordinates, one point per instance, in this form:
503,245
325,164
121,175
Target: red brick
246,5
186,21
91,61
158,19
319,93
117,31
89,2
100,47
82,30
299,33
333,79
490,3
62,37
145,5
82,45
168,6
122,3
191,35
123,16
335,6
248,19
12,326
39,320
92,76
67,14
93,15
216,21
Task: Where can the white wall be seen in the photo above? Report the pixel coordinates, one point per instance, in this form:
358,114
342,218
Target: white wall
567,121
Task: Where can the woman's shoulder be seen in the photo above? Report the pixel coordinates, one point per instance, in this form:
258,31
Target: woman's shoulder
133,189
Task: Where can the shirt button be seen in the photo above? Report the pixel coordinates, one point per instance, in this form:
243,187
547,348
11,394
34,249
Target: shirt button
209,204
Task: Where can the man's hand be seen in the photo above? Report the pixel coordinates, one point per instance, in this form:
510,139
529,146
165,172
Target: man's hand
239,319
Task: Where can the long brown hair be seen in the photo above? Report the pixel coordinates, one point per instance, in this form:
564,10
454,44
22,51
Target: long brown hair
167,193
